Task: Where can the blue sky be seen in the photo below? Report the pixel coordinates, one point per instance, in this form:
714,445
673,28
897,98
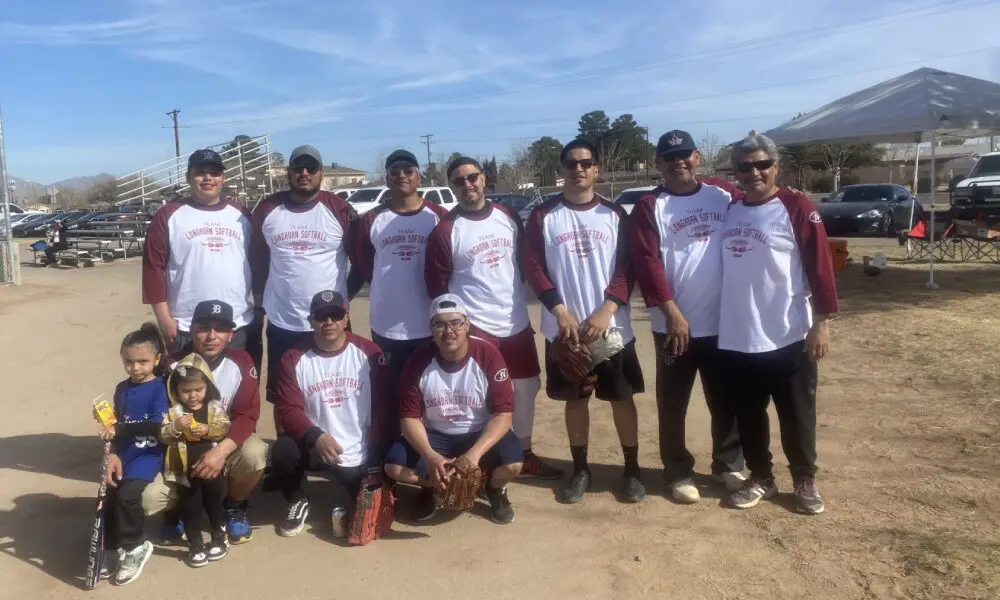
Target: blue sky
86,83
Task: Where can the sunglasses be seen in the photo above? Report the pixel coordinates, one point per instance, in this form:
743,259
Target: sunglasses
585,163
471,178
454,324
333,315
311,169
676,156
760,165
408,171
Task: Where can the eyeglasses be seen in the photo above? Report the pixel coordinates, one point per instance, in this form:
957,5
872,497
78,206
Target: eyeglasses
336,315
454,325
585,163
760,165
408,171
311,169
471,179
676,156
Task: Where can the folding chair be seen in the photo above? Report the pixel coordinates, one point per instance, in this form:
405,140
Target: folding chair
919,246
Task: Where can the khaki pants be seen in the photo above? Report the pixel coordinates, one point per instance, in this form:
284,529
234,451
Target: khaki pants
249,458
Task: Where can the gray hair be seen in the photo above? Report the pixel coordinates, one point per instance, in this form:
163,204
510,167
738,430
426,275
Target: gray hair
752,143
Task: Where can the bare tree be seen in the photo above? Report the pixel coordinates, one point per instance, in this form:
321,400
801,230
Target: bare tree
613,157
378,168
897,153
710,146
521,165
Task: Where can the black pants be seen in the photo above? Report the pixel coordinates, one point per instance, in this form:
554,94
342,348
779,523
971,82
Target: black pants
675,377
290,461
50,252
203,496
124,517
787,376
397,352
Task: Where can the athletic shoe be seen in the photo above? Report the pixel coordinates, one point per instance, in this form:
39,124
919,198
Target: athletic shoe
338,517
295,520
238,525
733,480
132,563
753,491
218,548
425,507
501,511
110,564
535,467
172,534
578,485
632,489
807,498
685,491
197,555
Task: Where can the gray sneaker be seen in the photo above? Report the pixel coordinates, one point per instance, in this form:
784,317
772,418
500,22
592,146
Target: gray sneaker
131,564
752,492
807,498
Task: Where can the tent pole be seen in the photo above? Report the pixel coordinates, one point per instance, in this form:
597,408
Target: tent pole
930,273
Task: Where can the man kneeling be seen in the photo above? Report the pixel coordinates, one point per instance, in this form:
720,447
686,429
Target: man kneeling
456,401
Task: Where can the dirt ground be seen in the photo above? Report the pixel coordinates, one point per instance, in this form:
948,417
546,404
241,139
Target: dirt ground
908,414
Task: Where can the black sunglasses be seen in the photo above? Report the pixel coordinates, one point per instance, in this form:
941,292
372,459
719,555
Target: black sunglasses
760,165
311,169
676,156
330,315
585,163
408,171
470,178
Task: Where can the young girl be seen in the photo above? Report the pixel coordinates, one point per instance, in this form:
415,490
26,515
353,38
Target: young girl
195,422
140,404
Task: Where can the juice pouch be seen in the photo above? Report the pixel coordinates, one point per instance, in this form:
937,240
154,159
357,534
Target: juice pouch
187,431
104,413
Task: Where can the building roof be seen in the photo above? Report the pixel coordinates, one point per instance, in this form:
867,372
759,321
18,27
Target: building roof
340,170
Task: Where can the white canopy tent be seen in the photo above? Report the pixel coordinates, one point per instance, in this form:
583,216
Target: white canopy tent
915,107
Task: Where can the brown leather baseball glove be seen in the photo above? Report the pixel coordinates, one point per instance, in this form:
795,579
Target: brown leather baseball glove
463,485
575,364
373,513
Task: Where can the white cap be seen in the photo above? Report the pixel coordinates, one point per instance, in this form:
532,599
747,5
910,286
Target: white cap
448,303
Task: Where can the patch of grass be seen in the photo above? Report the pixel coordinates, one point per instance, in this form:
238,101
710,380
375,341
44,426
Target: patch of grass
949,564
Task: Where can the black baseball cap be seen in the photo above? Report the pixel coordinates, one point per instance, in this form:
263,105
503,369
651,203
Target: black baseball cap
675,142
401,157
213,311
327,302
205,158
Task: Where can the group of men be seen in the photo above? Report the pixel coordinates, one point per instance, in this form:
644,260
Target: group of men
451,371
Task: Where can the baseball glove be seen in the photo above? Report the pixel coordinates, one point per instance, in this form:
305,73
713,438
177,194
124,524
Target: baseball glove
575,363
462,488
373,512
606,346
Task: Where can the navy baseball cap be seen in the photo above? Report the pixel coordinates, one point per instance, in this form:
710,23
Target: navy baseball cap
327,303
305,152
675,142
213,311
401,157
205,158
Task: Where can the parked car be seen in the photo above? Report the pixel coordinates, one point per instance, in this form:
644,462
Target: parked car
515,202
368,198
874,208
345,193
629,197
438,195
978,195
25,225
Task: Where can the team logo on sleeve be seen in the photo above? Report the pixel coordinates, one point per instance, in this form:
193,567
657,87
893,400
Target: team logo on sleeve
501,375
253,372
815,218
382,360
353,215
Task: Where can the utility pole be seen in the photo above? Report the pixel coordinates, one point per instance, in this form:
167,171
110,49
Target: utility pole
177,142
646,128
427,142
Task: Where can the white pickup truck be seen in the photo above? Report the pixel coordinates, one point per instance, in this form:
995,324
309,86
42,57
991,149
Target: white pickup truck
979,193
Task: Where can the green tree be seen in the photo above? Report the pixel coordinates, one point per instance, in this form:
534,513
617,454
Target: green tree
242,145
278,159
545,159
594,127
800,162
490,172
631,140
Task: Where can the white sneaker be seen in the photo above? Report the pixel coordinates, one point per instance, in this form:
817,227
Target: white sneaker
733,480
685,491
132,563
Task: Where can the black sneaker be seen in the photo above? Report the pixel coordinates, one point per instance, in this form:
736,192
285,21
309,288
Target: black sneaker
632,489
578,485
501,511
752,492
197,554
218,548
295,520
425,507
807,498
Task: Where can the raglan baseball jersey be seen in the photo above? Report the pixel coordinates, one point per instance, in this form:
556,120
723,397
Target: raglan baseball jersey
297,250
390,252
676,248
340,393
195,253
455,397
577,255
475,255
140,409
776,259
236,378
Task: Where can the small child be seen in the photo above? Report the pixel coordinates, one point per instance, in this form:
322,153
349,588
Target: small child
140,405
195,423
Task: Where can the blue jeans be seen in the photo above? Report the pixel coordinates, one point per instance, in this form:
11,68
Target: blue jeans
505,452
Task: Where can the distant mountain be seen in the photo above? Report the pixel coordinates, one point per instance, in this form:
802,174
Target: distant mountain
29,189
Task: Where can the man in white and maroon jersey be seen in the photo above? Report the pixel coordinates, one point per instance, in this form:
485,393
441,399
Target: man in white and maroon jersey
778,291
197,248
390,249
576,261
298,247
676,249
242,456
474,253
455,404
332,406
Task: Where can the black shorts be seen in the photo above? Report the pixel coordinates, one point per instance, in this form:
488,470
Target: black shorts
507,451
618,378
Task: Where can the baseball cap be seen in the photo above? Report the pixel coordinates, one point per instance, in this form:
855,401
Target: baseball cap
327,302
305,151
205,158
213,311
448,303
675,141
401,157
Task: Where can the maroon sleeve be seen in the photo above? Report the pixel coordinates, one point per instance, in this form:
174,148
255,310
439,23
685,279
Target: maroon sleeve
411,399
817,260
722,184
260,252
156,255
518,236
499,388
620,287
290,402
644,251
438,263
536,270
378,374
439,210
245,408
361,250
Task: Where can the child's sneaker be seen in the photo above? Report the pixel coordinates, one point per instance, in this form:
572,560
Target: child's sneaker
238,524
172,534
197,554
131,563
218,548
